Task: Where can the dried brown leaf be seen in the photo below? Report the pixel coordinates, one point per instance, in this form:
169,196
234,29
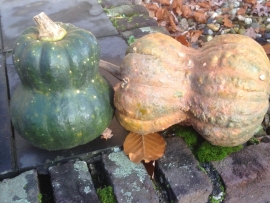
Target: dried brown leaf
186,12
107,134
160,13
242,10
178,11
150,168
177,4
227,22
251,1
151,7
266,48
205,4
267,4
194,35
199,17
144,147
182,39
164,2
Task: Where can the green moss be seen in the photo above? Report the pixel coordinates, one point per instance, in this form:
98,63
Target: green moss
39,198
202,149
105,195
207,152
253,141
189,135
131,39
202,168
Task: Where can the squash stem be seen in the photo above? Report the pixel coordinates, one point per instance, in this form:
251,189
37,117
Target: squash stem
111,68
48,30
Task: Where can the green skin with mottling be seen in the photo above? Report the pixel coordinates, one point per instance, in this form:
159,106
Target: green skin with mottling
62,101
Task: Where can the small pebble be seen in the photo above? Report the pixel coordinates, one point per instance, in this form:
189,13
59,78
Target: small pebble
236,29
267,20
207,31
255,25
266,35
241,31
215,27
209,38
232,31
191,22
184,24
260,40
268,27
233,13
248,21
265,139
236,4
214,15
226,31
241,18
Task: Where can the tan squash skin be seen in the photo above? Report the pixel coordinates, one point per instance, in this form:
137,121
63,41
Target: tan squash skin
221,89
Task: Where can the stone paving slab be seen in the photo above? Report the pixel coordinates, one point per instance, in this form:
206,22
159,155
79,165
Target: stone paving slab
6,139
142,31
72,183
113,3
112,50
1,40
130,181
246,174
21,189
126,10
16,16
133,22
180,171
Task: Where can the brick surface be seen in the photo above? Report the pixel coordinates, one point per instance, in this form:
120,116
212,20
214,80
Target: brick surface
246,174
23,188
130,181
180,173
72,183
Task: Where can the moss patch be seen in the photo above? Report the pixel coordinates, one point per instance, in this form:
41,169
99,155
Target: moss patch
207,152
202,149
105,195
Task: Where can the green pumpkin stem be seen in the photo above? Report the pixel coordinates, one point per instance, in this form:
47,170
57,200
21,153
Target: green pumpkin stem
48,30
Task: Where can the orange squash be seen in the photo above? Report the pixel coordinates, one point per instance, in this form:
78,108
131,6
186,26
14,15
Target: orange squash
221,89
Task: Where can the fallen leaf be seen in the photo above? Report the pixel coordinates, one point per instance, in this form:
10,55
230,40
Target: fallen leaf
182,39
199,17
150,168
177,3
144,147
266,48
159,13
242,10
267,4
227,22
250,32
194,35
260,10
251,1
107,134
186,11
164,2
205,4
178,11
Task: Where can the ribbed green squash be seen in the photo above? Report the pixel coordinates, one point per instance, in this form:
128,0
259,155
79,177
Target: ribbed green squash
62,101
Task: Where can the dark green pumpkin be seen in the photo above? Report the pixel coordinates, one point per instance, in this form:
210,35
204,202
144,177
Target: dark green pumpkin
62,101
